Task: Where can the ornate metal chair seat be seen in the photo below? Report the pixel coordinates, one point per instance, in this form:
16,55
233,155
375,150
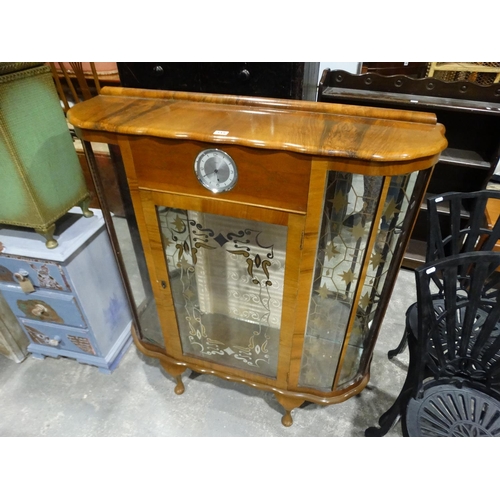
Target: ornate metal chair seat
480,318
453,409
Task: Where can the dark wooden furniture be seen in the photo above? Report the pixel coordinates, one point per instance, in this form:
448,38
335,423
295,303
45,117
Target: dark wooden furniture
283,80
413,69
469,112
263,283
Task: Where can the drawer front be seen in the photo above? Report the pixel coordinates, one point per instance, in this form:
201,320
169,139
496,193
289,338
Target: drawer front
271,179
60,338
46,307
263,79
43,275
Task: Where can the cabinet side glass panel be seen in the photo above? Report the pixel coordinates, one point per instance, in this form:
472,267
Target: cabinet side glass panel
227,277
388,236
350,203
108,170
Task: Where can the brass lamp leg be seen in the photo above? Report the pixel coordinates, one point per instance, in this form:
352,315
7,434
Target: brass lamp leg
48,234
84,205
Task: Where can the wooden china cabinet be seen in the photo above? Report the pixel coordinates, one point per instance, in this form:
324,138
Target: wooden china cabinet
243,207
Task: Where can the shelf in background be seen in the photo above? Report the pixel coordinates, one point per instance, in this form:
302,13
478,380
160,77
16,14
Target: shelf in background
415,254
464,158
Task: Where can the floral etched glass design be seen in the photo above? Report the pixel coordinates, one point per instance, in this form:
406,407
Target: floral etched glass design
339,309
227,277
396,205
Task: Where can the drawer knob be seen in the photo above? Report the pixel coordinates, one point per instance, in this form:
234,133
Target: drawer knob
244,75
39,310
55,341
158,70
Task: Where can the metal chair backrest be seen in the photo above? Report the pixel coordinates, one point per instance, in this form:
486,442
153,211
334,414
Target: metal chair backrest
451,231
459,331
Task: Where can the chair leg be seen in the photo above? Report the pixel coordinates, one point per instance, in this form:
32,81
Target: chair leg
400,348
398,408
391,416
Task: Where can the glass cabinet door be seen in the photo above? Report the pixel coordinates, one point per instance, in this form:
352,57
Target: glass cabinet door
227,279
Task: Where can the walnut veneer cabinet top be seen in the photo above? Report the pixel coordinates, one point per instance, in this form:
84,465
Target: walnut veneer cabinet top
282,279
298,126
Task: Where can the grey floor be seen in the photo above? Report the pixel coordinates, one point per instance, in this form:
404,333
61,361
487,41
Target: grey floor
61,397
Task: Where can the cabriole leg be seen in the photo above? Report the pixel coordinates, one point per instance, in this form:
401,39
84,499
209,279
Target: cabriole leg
176,372
289,404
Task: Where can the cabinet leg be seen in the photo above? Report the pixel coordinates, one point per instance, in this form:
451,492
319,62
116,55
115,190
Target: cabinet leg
288,403
176,372
48,234
84,205
37,355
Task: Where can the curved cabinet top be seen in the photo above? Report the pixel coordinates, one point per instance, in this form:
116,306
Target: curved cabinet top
320,129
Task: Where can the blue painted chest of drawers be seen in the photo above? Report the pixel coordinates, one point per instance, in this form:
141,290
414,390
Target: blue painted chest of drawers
69,300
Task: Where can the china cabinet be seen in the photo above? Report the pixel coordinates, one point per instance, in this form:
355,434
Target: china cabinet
243,206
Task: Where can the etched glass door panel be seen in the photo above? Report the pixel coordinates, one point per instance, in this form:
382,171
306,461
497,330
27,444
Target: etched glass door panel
227,277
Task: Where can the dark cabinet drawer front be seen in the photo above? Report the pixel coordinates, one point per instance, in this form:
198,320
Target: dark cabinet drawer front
276,79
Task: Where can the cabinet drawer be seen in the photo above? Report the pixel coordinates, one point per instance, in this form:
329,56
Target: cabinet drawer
264,79
44,275
59,338
274,179
44,306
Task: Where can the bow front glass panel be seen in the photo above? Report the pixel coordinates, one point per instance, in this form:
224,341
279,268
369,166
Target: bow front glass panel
360,229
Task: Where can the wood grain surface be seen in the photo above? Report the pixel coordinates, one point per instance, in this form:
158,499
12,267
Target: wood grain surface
302,127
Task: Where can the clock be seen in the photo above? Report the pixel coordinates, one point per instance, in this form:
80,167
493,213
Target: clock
216,170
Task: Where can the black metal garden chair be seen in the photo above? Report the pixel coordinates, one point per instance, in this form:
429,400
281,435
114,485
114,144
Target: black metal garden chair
457,224
453,383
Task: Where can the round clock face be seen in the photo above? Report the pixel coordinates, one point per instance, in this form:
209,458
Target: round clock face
216,170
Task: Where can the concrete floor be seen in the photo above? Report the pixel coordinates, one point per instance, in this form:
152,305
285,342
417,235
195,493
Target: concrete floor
61,397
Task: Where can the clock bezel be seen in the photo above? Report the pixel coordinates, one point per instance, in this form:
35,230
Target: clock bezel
202,180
